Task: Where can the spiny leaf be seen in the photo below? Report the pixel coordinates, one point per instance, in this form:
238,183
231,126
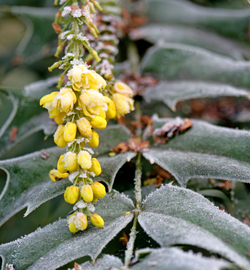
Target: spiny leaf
173,215
158,33
182,62
173,92
231,23
53,246
111,165
28,183
176,259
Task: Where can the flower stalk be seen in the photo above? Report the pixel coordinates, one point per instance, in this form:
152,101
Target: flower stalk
84,104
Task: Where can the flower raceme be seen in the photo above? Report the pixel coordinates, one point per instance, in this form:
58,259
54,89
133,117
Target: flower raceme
85,104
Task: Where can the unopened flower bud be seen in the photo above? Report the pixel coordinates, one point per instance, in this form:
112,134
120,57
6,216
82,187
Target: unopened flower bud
58,137
84,127
94,199
55,65
72,227
87,193
91,7
70,162
71,194
84,160
71,222
111,111
69,132
58,50
60,165
94,140
55,175
99,190
60,81
92,32
81,221
97,5
56,27
97,221
98,122
96,167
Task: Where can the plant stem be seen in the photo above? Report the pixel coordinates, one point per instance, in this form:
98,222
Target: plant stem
131,242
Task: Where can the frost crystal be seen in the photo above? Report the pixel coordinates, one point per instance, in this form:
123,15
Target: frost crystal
62,2
66,11
76,13
73,175
64,34
80,205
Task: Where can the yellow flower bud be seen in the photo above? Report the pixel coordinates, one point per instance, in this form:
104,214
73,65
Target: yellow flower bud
83,144
87,193
59,138
47,99
71,194
71,222
56,175
94,140
59,118
81,221
123,104
97,221
60,165
94,199
96,167
70,162
111,111
99,190
98,122
84,127
123,89
72,227
84,160
69,133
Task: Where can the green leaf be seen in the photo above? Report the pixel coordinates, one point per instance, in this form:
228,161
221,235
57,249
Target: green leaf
158,33
186,165
111,165
54,246
231,23
173,215
173,92
28,184
191,63
176,259
39,31
106,262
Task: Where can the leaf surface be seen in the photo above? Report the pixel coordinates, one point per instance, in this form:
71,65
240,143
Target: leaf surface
182,62
158,33
173,215
53,246
173,92
176,259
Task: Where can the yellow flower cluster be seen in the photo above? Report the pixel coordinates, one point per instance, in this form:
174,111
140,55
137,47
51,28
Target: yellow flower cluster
79,109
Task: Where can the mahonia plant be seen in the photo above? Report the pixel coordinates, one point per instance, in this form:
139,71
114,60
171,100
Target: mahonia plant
83,105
